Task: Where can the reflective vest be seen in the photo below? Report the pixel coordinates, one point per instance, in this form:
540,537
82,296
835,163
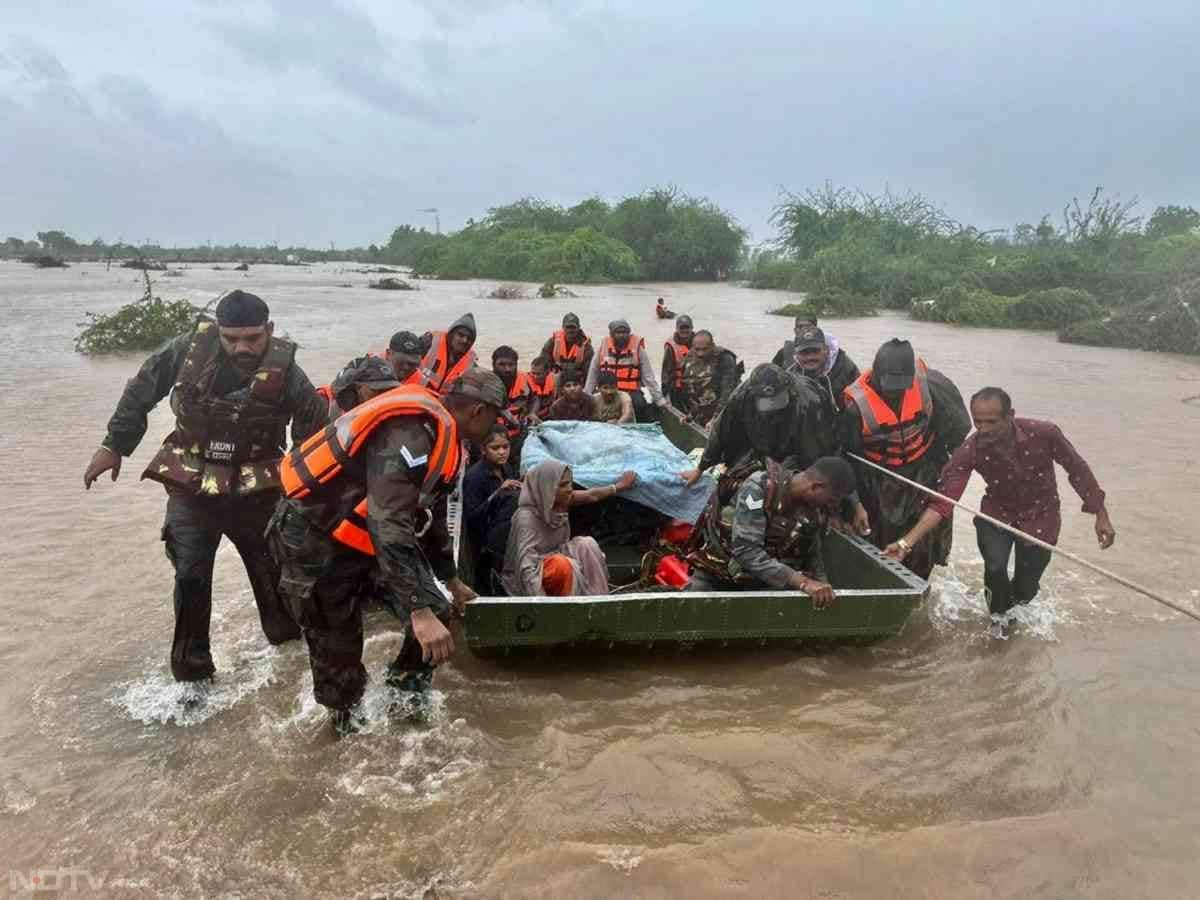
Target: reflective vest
625,364
517,407
318,465
565,353
679,351
889,439
547,388
231,444
435,371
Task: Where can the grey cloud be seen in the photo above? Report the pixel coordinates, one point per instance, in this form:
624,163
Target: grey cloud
345,47
39,63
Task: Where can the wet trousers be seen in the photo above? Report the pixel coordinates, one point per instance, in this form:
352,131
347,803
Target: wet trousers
191,532
326,586
997,546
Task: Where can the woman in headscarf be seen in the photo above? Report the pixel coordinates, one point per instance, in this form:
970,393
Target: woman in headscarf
542,559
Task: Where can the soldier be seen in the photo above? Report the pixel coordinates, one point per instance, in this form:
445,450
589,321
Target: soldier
710,373
763,526
404,355
234,387
362,379
908,418
364,504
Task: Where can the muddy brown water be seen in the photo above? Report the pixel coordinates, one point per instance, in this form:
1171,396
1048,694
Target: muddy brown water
1059,763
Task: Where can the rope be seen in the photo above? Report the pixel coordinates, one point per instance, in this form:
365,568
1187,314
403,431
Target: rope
1134,586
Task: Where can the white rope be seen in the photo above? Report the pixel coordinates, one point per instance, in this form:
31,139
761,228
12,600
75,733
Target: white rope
1040,543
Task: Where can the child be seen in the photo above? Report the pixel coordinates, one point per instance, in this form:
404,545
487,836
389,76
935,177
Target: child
572,403
610,404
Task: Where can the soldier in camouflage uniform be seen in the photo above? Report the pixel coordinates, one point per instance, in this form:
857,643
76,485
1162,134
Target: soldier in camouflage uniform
710,373
234,388
763,527
326,579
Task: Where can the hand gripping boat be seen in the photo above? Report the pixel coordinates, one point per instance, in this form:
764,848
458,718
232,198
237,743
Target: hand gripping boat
875,595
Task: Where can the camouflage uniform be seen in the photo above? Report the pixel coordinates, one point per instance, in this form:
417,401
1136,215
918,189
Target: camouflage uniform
752,535
327,583
707,383
209,496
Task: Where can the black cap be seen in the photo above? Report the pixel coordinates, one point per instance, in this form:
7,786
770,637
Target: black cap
895,366
241,309
571,319
684,320
367,370
768,385
405,342
810,338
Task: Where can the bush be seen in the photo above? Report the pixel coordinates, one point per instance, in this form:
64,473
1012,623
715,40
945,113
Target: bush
1168,321
142,325
827,304
1053,308
961,304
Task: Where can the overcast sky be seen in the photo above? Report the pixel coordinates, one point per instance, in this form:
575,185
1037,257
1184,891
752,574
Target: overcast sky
311,121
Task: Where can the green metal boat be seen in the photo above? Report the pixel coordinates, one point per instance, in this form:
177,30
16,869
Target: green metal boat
875,596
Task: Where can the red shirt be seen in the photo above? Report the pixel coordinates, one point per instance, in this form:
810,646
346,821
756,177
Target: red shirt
1021,487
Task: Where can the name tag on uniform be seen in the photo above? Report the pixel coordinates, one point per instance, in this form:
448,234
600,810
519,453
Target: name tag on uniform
220,451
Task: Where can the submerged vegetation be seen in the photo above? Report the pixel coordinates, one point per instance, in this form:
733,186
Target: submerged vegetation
851,251
143,324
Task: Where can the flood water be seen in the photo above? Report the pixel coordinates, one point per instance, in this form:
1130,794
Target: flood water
1059,763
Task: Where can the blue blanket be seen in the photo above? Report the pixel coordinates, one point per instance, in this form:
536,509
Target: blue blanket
598,453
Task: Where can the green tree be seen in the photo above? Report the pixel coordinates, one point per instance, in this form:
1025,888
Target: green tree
1170,220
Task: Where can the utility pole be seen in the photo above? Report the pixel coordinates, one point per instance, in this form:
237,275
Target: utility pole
437,222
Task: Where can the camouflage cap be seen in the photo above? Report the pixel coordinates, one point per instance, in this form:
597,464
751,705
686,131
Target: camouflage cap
810,338
405,342
481,385
367,370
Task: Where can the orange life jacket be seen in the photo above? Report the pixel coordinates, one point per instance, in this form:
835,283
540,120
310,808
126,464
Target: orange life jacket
435,371
518,391
679,351
889,439
565,353
547,388
625,364
322,458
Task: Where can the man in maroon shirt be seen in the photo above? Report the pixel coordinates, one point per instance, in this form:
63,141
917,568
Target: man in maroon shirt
1016,458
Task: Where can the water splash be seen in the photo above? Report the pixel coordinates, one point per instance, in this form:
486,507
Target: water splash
623,859
155,698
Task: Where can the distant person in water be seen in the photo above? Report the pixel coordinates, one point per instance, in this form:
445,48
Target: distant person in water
661,311
1016,458
542,559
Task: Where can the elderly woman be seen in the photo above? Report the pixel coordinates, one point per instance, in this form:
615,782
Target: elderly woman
542,559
